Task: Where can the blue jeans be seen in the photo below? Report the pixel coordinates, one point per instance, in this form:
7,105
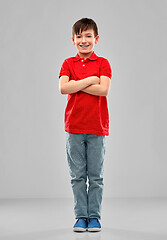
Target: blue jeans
85,155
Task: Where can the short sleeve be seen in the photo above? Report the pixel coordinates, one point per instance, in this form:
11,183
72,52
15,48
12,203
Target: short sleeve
105,69
64,69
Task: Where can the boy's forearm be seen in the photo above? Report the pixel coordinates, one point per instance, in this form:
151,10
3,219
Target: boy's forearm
74,86
97,90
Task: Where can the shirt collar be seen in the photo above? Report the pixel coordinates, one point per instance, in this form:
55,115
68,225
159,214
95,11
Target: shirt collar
92,57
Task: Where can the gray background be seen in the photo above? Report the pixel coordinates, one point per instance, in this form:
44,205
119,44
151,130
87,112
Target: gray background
35,39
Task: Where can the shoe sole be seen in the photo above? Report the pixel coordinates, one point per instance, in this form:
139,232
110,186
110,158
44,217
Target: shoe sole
94,229
79,229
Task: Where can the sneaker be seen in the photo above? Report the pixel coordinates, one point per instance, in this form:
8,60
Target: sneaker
94,225
80,225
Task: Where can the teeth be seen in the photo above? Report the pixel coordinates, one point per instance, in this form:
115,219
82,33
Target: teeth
85,46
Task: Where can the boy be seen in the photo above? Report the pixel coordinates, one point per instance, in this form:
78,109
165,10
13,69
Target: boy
86,79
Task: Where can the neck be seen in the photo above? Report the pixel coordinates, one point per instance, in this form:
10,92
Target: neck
86,55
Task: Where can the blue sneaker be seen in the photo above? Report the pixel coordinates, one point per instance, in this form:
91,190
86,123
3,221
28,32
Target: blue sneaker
80,225
94,225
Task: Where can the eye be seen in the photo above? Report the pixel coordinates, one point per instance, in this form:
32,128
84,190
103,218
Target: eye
89,36
78,36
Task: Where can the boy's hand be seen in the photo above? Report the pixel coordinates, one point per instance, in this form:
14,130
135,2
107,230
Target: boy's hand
94,80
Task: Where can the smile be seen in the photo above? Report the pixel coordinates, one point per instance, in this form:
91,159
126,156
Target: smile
84,46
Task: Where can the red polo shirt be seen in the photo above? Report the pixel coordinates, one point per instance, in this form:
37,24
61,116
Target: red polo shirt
86,113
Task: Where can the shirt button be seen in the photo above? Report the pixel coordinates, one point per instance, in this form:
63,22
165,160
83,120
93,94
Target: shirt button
82,60
83,65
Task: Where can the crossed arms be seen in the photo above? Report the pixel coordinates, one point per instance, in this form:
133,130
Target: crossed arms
91,85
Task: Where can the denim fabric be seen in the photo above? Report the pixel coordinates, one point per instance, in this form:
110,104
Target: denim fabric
85,155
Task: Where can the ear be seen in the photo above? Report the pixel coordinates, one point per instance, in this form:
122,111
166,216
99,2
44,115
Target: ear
73,41
96,39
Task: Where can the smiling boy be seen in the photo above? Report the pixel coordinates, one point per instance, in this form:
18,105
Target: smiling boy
86,79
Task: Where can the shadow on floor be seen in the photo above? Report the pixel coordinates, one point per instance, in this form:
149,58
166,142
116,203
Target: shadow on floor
66,234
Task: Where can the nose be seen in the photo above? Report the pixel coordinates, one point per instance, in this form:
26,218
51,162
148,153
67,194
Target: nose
83,39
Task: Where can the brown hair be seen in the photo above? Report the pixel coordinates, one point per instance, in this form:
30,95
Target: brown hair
84,24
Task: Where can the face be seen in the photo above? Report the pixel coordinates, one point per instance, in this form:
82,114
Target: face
85,42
